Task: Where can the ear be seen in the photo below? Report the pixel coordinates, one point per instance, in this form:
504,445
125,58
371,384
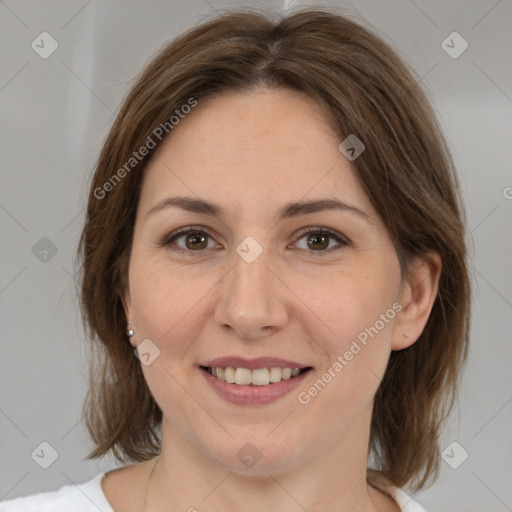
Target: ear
419,292
127,303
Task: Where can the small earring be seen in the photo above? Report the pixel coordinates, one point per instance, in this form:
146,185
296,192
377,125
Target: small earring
405,336
129,332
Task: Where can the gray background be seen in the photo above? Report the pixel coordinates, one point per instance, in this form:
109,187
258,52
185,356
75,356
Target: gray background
55,114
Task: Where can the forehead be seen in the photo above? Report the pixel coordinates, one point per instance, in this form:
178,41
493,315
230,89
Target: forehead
267,146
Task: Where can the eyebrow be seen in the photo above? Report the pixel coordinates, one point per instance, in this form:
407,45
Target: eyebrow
289,210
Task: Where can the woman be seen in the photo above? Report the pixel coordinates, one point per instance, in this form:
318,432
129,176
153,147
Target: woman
274,277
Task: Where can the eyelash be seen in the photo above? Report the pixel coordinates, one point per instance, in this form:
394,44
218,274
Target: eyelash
342,241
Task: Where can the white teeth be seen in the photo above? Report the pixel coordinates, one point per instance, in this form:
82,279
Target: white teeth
229,374
275,374
242,376
258,377
286,373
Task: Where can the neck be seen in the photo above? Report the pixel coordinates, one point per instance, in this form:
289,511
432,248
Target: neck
332,480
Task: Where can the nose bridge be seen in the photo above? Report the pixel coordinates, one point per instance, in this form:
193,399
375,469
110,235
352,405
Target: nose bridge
250,270
249,301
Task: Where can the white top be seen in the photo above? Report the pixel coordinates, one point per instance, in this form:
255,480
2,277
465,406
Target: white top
89,497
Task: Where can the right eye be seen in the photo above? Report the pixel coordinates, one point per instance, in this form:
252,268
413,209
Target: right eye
189,239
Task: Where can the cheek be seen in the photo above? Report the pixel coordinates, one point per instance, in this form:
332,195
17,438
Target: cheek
353,304
355,359
359,310
166,303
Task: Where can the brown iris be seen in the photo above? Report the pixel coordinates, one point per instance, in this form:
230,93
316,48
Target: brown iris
196,241
318,241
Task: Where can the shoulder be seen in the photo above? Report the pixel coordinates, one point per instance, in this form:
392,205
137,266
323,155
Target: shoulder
404,501
86,497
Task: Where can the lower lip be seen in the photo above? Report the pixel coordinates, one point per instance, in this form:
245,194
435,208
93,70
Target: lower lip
252,395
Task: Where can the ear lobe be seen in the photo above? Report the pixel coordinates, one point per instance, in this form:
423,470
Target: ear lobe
127,305
417,299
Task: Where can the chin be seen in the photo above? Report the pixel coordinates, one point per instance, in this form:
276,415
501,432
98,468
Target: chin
257,456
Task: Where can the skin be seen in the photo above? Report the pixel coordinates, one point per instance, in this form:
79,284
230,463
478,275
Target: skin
251,154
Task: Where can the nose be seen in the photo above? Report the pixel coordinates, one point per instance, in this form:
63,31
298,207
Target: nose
251,301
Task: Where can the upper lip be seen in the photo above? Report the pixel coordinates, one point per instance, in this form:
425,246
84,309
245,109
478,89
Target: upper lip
252,364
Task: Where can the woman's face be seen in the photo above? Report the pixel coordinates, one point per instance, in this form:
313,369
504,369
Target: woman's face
249,287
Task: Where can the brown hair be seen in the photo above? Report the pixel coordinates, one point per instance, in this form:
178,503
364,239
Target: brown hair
406,170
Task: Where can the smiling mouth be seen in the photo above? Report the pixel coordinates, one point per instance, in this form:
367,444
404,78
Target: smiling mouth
256,377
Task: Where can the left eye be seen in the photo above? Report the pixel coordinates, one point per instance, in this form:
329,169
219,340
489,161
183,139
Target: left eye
321,240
